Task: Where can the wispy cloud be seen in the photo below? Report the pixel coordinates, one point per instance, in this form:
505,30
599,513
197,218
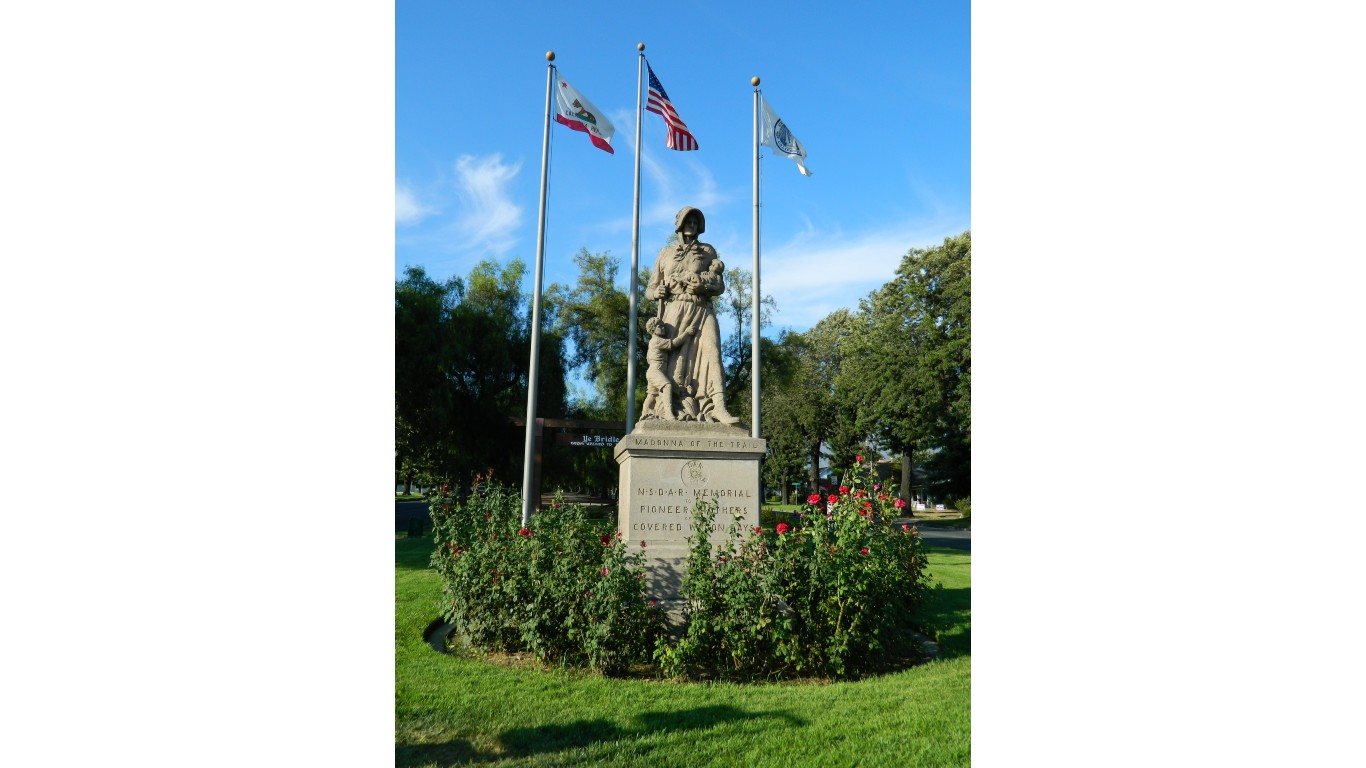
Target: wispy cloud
815,273
488,218
674,189
671,179
407,208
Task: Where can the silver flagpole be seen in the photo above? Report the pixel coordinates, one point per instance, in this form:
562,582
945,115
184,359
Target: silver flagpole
528,455
754,301
635,261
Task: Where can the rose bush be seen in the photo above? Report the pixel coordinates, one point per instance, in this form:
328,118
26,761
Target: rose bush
560,589
836,594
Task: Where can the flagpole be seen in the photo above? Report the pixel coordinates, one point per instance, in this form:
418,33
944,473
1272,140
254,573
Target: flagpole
635,259
533,368
754,293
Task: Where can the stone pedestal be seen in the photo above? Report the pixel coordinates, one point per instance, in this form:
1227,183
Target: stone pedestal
665,467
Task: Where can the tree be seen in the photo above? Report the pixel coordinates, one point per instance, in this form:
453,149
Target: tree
462,358
737,347
787,446
593,316
910,364
808,401
423,400
939,279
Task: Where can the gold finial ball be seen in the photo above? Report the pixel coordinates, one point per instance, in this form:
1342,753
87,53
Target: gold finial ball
549,55
754,80
640,46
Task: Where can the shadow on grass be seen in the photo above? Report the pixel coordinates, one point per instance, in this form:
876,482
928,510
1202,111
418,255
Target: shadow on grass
413,554
457,752
522,742
549,739
946,611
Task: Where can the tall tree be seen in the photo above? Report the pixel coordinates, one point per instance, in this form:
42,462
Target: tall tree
910,364
423,400
593,316
737,346
811,396
940,280
461,371
787,446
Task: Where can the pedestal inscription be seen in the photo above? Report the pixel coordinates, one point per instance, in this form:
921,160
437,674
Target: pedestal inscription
665,468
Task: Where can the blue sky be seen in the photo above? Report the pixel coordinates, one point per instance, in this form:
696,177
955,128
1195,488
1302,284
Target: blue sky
879,94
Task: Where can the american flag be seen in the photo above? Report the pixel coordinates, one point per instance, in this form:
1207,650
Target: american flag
658,103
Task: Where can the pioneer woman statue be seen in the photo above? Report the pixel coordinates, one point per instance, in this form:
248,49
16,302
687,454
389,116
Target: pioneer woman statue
685,278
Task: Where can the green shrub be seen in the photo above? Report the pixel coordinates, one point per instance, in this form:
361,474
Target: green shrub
564,589
831,590
964,506
833,594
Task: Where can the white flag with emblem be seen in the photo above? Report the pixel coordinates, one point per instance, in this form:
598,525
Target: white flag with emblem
778,138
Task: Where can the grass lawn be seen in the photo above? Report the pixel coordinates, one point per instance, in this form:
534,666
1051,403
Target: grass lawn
451,710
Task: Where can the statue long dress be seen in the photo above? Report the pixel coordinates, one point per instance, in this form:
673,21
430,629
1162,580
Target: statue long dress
692,275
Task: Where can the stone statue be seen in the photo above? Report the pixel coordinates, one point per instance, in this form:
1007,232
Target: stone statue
659,400
685,379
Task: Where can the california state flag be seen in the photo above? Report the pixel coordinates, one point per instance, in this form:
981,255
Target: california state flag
577,112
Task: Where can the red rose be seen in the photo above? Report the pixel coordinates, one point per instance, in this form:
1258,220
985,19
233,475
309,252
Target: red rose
782,528
757,529
833,499
844,489
604,571
606,540
859,459
642,543
899,503
905,527
863,551
814,498
652,603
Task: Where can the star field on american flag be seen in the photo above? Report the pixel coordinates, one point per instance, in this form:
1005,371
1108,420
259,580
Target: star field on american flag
679,137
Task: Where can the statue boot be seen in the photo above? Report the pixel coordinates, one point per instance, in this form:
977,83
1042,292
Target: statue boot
719,412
